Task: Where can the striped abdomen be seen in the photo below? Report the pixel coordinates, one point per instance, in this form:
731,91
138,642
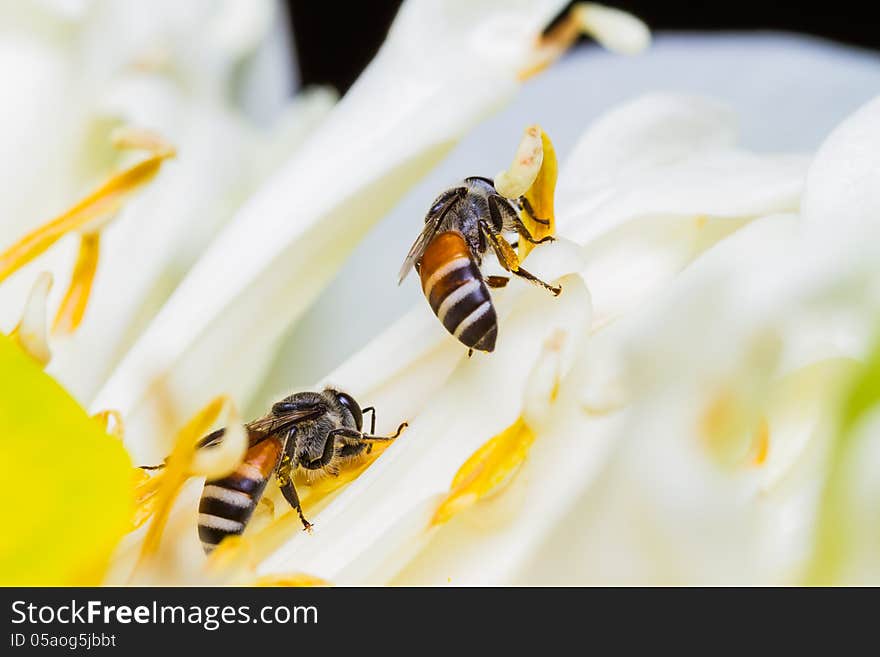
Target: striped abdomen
454,287
227,503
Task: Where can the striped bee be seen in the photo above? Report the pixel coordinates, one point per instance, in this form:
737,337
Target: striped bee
462,224
314,431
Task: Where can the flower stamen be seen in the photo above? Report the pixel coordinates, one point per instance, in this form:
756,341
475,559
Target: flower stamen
156,495
73,306
111,422
496,463
614,29
540,214
516,181
89,216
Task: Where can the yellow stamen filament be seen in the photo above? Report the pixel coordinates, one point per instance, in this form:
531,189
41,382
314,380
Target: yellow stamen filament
86,215
112,423
616,30
30,333
486,470
178,468
516,181
540,197
73,306
131,138
219,461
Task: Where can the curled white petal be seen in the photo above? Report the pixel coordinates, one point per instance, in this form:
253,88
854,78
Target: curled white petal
617,30
31,331
516,180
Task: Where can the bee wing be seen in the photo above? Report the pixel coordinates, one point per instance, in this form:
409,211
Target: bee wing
274,422
262,428
432,222
418,248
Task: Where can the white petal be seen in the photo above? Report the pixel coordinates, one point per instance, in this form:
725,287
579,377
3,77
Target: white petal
617,30
842,192
654,130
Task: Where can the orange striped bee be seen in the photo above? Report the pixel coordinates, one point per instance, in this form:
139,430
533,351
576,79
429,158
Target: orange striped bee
314,431
462,224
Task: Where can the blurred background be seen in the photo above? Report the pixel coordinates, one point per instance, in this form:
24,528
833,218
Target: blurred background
334,44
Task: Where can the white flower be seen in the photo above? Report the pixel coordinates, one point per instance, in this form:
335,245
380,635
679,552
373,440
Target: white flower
665,194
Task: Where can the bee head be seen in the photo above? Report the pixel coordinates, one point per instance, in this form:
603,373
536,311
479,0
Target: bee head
349,403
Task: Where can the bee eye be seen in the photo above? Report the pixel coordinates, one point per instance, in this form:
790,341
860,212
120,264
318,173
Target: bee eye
352,406
283,407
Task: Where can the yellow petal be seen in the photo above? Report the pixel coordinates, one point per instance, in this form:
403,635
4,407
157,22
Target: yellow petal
489,467
75,480
540,197
73,306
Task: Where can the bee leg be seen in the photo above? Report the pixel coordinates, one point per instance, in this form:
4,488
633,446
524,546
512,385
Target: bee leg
470,352
527,207
372,411
497,281
352,436
515,223
510,261
285,482
369,437
212,439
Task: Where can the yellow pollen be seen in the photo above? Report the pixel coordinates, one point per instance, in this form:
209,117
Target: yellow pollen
540,197
488,468
761,443
294,580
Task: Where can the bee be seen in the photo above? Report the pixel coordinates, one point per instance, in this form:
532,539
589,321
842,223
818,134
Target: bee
462,224
313,431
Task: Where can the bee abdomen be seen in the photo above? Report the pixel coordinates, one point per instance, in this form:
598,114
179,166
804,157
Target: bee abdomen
227,504
454,287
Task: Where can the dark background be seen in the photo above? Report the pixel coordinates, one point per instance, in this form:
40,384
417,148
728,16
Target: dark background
335,40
